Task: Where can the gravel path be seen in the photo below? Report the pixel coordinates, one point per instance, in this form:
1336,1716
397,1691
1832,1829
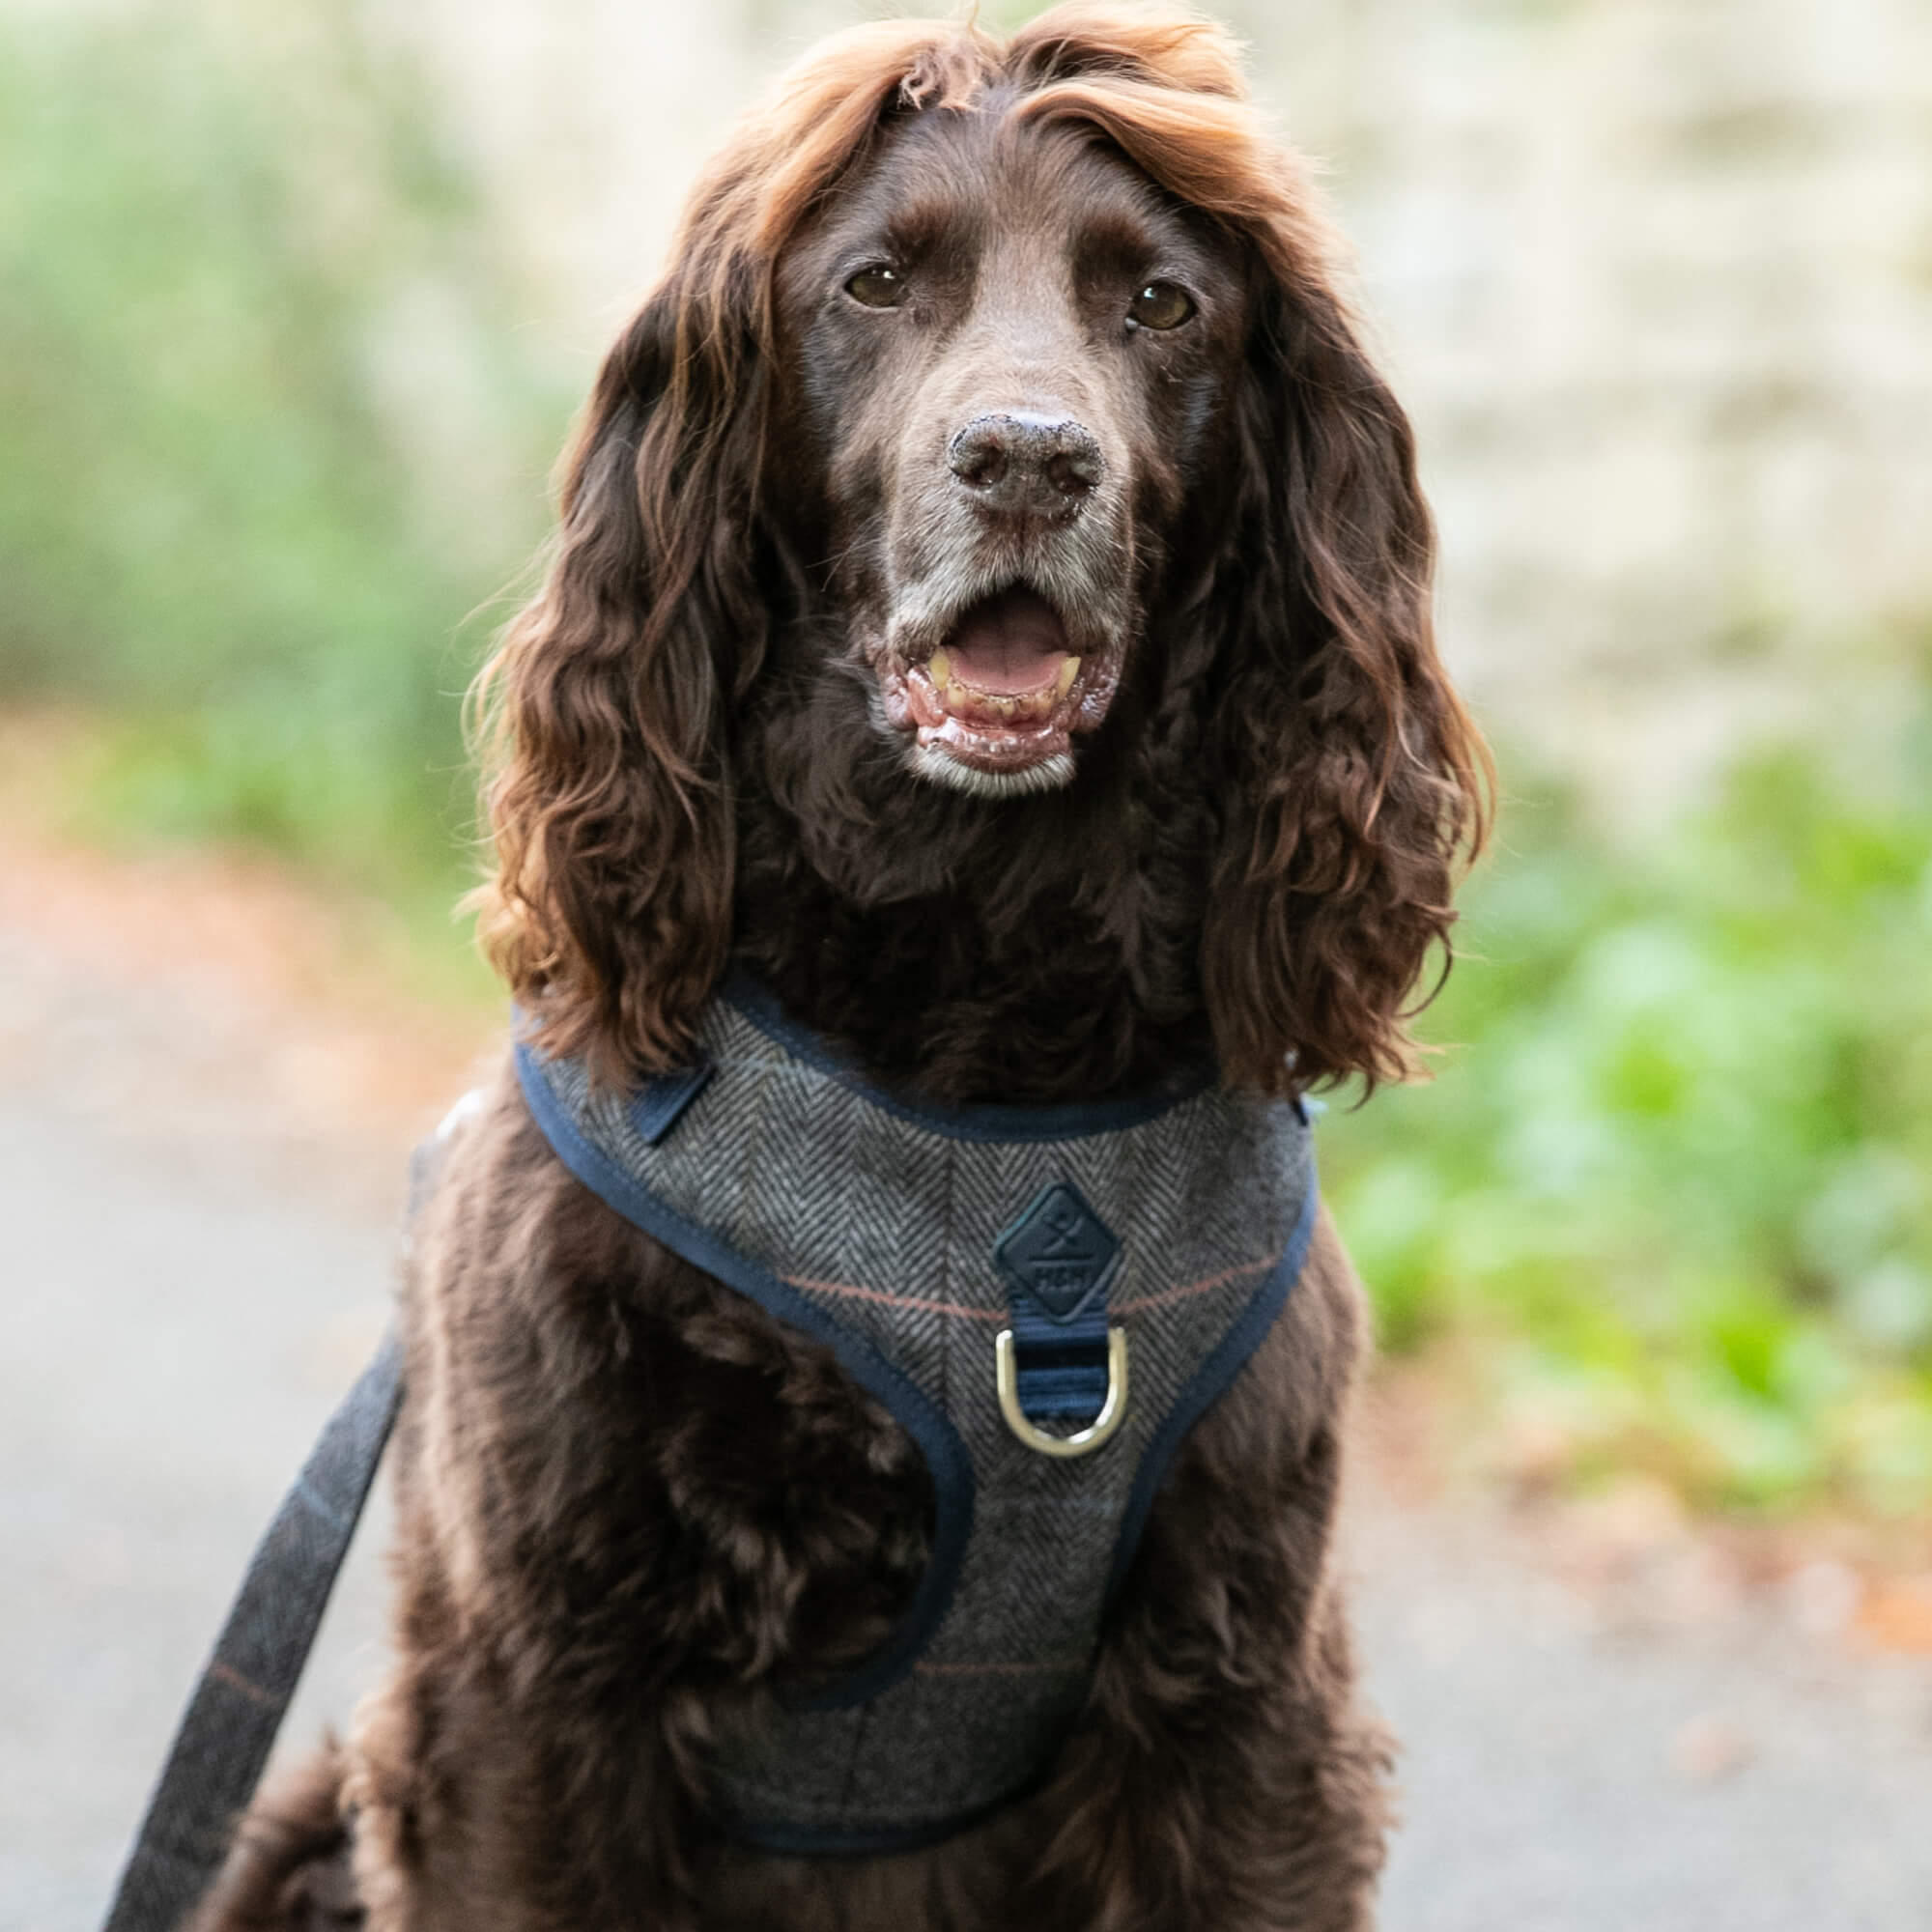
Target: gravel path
1564,1774
190,1288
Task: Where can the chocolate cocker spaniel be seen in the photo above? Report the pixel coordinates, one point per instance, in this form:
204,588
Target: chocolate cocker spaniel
977,759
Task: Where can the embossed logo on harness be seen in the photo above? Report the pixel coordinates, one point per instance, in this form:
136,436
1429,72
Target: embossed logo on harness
1060,1252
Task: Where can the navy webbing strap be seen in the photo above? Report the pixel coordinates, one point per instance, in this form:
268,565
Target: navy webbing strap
232,1718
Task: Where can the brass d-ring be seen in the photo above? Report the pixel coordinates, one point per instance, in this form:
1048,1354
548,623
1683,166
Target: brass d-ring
1112,1411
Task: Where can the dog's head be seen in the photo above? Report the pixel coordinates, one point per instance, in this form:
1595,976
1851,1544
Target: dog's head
991,380
1007,357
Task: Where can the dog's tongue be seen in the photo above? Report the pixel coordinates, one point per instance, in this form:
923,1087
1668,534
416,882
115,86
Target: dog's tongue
1008,643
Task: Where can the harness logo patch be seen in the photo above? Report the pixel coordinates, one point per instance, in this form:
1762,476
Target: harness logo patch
1060,1251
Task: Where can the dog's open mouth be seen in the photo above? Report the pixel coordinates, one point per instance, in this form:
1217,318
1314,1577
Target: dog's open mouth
1004,690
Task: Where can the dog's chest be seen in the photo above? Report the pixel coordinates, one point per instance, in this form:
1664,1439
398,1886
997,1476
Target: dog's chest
1045,1299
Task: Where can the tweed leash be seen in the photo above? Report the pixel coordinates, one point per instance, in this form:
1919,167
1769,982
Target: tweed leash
230,1724
238,1704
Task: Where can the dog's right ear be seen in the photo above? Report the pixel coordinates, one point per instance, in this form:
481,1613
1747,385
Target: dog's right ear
605,716
605,713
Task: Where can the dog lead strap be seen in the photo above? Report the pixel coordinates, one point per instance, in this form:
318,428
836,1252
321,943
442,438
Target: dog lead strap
231,1721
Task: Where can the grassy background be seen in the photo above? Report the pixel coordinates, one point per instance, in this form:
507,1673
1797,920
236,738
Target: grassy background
219,375
1673,1177
270,442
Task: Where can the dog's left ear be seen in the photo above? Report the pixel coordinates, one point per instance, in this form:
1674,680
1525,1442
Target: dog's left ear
608,708
1354,784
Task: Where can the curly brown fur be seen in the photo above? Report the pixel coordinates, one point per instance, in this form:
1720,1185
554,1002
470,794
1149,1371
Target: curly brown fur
634,1509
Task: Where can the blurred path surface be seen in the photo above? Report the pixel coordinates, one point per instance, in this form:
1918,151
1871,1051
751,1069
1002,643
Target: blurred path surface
197,1252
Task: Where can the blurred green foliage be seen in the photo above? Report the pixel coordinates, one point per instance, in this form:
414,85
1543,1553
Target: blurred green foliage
267,440
1678,1169
208,520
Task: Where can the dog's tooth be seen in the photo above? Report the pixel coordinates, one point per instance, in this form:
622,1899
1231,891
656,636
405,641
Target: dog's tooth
938,668
1069,672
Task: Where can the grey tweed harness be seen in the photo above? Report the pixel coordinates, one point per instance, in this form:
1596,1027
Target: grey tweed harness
1046,1299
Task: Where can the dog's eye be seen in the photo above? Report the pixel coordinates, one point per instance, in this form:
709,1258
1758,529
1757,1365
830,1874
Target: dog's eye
877,288
1160,305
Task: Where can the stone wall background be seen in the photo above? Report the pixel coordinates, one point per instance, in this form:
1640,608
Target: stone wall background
1654,275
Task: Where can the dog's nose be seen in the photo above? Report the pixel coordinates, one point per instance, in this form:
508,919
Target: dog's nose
1021,459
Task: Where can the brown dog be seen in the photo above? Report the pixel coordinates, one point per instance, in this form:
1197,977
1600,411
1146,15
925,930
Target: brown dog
991,609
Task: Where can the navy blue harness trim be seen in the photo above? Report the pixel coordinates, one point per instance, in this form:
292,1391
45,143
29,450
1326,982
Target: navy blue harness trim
1210,1381
946,1457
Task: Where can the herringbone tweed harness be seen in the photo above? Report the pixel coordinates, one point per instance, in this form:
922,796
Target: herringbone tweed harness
1124,1260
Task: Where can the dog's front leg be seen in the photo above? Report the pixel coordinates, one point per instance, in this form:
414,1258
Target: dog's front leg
499,1783
627,1502
1224,1777
470,1814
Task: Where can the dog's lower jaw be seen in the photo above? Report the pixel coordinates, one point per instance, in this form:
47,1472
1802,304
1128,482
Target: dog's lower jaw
937,765
932,762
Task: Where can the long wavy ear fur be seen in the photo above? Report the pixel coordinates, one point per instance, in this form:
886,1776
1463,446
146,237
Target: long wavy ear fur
605,719
1356,784
610,802
1353,783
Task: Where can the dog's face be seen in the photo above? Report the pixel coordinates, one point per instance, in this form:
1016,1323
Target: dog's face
1013,353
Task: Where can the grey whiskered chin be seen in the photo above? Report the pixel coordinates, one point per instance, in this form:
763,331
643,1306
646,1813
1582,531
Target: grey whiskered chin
938,766
991,650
